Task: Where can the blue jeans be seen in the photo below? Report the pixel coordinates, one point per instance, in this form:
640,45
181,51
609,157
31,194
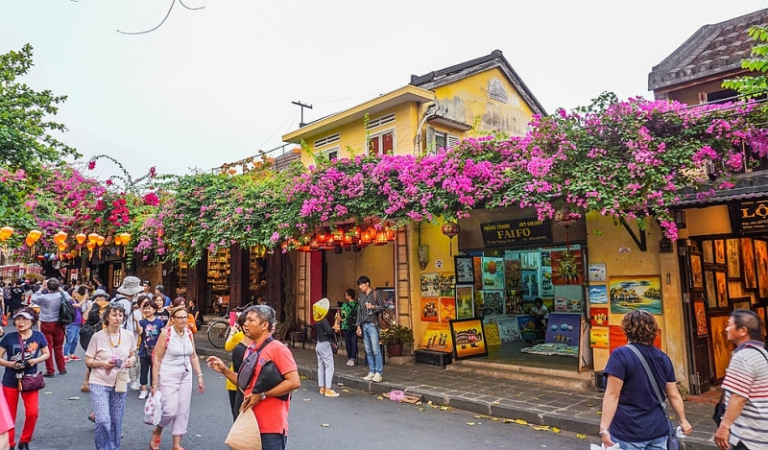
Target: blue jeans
73,334
372,348
273,441
660,443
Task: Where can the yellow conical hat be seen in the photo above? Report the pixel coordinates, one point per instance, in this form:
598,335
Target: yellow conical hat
320,309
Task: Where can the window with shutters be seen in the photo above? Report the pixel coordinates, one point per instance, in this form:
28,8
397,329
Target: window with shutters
382,143
332,153
444,140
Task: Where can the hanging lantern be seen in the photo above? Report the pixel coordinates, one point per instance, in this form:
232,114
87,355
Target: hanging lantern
450,229
32,238
391,235
74,253
366,237
80,237
566,218
100,240
125,237
314,245
118,240
59,237
338,236
321,236
62,246
40,257
381,238
90,245
93,237
5,233
347,239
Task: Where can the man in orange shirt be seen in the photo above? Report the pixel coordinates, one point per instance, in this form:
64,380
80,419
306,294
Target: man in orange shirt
271,411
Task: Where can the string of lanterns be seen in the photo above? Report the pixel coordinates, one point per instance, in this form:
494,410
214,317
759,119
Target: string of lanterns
95,241
343,237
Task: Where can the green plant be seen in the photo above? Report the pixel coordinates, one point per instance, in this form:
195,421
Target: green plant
396,335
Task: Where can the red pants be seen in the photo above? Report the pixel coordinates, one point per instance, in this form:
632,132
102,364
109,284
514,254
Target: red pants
30,413
54,334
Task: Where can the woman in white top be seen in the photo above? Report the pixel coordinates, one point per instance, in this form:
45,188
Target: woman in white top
109,355
174,361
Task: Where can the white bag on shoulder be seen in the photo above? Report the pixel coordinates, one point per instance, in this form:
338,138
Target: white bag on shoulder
153,409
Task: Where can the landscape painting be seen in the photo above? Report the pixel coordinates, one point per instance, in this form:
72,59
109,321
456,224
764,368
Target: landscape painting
629,293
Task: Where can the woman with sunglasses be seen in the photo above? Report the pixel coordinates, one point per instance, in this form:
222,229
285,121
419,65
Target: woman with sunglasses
173,365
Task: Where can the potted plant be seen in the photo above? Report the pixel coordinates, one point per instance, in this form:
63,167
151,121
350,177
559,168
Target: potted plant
395,337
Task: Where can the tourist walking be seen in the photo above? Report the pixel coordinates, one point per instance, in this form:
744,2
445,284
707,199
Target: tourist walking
149,329
632,415
174,361
49,300
111,352
72,332
20,353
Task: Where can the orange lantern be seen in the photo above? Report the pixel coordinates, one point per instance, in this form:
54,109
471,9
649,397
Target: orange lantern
34,235
126,238
74,253
59,237
118,240
91,246
80,238
100,240
93,237
62,246
366,237
29,242
338,236
391,235
5,233
381,238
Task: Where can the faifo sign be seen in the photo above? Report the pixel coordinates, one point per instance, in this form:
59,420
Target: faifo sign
514,232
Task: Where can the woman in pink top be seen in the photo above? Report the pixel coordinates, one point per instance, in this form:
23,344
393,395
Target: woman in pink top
6,423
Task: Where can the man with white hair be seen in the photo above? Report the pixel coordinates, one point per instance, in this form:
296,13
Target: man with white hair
125,294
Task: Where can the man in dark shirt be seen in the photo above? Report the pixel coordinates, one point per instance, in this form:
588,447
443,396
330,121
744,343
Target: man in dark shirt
17,294
368,328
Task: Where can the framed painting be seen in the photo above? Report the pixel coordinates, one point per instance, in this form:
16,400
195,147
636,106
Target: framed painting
741,303
547,288
468,338
721,289
567,267
492,337
761,259
429,284
701,319
598,337
508,331
493,302
598,317
719,251
598,294
446,282
493,273
530,260
546,259
597,272
477,265
721,348
760,311
465,302
697,277
530,285
429,309
635,292
749,271
710,289
707,252
465,269
512,274
732,260
446,309
437,338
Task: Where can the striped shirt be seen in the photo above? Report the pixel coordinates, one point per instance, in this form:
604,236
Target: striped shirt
747,376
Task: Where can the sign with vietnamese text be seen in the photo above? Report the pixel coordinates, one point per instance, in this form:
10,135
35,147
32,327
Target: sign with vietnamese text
749,216
515,232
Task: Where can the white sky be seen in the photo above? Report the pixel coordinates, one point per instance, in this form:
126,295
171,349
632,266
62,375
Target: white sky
216,85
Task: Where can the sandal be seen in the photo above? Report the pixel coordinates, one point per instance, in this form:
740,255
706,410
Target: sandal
322,391
156,441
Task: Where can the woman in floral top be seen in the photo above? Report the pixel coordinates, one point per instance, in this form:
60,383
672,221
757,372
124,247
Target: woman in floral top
348,318
149,329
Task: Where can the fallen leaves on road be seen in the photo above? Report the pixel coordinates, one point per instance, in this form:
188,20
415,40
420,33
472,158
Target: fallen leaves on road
581,436
471,424
303,377
325,425
307,399
74,398
482,416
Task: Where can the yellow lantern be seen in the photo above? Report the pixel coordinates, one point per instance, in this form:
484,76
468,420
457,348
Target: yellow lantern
126,237
5,233
80,238
118,240
93,237
62,246
34,235
59,237
74,253
100,240
90,246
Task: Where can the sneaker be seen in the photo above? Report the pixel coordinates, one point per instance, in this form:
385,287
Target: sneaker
143,395
24,446
74,358
351,362
66,359
48,374
331,393
62,372
322,391
376,378
92,417
369,377
135,386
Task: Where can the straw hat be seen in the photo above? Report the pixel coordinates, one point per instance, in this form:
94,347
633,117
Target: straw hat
320,309
130,286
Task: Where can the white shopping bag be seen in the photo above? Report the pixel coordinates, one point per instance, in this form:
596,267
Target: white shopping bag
153,409
602,447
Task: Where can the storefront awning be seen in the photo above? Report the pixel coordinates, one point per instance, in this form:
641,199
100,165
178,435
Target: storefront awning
748,186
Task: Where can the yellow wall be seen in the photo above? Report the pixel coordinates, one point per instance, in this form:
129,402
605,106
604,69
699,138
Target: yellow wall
467,100
607,249
375,262
704,221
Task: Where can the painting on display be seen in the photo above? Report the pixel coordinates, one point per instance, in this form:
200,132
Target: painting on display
560,304
493,302
563,328
721,287
760,311
465,269
598,294
547,288
719,251
721,348
635,292
598,337
567,267
465,302
741,303
696,272
598,317
429,285
708,252
530,285
597,272
546,259
701,319
574,305
508,331
526,324
748,264
468,338
493,273
529,260
446,309
733,263
617,338
514,302
429,309
761,259
492,338
710,289
512,273
437,338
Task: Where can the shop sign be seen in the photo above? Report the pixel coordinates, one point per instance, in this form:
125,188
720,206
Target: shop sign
749,215
514,232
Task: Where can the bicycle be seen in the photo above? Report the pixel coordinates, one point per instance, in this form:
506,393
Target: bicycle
219,329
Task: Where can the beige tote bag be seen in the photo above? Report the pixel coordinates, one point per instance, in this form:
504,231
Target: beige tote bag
244,434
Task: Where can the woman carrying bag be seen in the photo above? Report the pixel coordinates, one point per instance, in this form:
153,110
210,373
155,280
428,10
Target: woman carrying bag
23,351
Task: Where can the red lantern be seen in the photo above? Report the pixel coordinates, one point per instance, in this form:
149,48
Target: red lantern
338,236
450,229
366,237
381,238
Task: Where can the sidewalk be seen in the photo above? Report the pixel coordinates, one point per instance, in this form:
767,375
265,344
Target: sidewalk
568,410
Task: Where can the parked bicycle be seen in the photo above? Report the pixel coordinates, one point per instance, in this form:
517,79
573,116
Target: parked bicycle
219,329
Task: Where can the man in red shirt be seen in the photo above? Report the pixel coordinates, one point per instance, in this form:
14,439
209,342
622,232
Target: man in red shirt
271,412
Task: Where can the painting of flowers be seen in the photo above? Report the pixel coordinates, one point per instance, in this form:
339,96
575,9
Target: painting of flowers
567,267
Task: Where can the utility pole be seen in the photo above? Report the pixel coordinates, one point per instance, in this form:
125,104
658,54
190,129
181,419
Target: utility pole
302,106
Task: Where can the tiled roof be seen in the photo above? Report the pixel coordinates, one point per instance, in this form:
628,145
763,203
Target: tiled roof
752,185
473,66
712,50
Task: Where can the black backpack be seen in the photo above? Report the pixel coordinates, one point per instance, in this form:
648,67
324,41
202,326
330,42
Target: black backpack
66,311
